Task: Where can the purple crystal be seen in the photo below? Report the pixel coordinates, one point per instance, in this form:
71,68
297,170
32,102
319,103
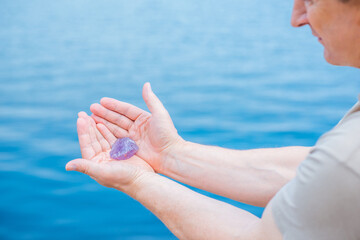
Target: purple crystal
123,148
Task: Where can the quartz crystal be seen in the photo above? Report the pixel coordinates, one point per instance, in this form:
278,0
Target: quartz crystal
123,148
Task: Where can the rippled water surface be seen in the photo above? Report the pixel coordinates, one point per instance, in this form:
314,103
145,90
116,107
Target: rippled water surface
231,73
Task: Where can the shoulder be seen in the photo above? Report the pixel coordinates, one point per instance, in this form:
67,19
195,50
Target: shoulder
316,201
341,144
323,193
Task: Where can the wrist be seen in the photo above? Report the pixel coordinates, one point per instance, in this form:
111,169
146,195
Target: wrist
141,183
171,157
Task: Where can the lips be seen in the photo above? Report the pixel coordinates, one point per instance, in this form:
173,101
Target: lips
318,37
315,34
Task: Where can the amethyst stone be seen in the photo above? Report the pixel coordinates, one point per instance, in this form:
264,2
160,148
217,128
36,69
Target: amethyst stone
123,148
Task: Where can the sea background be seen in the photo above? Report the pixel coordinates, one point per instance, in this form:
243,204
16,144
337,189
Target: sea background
231,73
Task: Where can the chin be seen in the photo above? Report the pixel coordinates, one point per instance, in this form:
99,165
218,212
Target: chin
337,60
333,60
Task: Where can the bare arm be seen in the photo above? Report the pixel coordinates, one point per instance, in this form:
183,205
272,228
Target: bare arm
190,215
251,176
187,214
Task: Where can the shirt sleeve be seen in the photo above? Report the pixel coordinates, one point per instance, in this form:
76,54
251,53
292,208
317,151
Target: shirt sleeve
323,200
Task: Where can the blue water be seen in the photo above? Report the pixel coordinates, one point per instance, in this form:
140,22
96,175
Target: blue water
231,73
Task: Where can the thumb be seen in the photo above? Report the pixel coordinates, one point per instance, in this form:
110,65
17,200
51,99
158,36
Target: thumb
82,165
152,101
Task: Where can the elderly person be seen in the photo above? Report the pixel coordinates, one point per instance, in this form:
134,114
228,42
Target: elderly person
309,193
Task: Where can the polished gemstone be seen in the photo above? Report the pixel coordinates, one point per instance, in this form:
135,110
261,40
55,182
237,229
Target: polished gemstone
123,148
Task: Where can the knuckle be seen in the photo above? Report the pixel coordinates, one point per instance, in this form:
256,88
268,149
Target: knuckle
116,107
119,121
126,111
116,132
86,169
123,122
142,119
105,113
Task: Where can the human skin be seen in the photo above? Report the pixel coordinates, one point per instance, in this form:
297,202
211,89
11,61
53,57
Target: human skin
163,150
249,176
178,207
95,151
335,24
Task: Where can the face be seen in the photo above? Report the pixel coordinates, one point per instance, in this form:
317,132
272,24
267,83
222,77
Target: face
336,25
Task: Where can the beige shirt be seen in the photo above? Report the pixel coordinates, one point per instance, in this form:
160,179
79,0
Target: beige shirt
323,201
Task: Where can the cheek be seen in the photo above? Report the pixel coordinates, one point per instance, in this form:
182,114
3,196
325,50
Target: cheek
314,20
319,17
334,52
338,42
327,32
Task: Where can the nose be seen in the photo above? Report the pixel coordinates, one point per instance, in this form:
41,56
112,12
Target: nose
299,14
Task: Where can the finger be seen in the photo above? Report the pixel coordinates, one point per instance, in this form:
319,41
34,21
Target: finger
152,101
106,133
85,166
126,109
105,145
114,129
92,133
111,116
86,148
82,114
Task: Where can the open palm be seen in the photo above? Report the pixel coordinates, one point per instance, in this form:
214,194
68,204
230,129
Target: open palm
154,133
95,144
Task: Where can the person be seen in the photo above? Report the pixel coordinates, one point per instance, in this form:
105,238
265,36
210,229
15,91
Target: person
309,192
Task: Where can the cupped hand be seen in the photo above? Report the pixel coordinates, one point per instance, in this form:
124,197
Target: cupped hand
154,133
95,144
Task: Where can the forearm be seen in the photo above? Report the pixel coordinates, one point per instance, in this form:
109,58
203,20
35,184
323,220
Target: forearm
190,215
249,176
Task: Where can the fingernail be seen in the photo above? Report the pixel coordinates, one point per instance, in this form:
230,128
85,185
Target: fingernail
71,167
150,87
